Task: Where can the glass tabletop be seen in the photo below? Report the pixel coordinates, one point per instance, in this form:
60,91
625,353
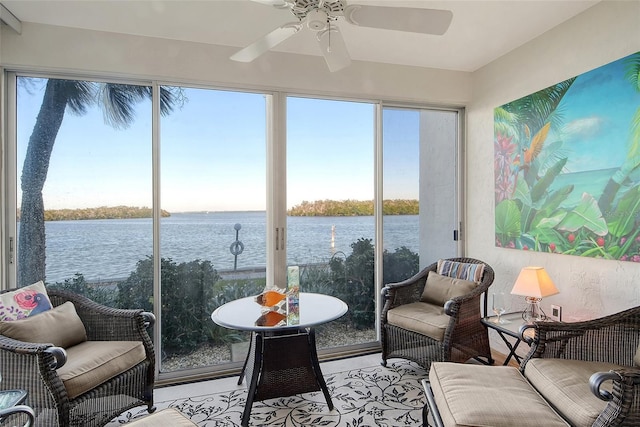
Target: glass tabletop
9,398
315,309
510,323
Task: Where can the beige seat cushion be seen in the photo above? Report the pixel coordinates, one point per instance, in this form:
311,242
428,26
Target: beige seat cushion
498,396
91,363
420,317
169,417
60,326
566,384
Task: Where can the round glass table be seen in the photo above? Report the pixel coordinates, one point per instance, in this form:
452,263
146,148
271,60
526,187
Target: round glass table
282,359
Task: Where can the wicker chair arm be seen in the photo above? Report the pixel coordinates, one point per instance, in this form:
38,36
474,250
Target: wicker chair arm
453,305
404,292
149,319
33,367
596,381
623,399
60,356
22,347
525,336
19,409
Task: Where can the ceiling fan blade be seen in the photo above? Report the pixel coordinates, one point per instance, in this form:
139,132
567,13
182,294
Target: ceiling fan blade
267,42
280,4
414,20
334,49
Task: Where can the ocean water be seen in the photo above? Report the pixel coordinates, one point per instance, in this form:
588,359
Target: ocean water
110,249
591,182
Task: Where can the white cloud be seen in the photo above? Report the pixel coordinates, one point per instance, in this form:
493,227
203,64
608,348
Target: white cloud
587,127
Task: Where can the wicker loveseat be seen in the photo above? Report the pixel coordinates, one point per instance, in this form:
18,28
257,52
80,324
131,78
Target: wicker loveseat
426,323
584,374
589,371
87,383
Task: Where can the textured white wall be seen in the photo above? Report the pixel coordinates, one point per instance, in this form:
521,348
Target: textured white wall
588,287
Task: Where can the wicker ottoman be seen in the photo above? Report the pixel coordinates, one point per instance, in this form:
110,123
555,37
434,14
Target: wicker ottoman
169,417
474,395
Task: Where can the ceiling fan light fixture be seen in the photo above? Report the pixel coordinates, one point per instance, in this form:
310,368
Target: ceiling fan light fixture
317,20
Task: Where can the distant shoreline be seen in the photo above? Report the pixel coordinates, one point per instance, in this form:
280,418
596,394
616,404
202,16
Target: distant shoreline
320,208
354,208
102,212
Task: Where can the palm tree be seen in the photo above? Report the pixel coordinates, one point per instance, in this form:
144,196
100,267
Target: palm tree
117,101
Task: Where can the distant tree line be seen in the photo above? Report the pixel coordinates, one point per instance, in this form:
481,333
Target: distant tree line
353,208
102,212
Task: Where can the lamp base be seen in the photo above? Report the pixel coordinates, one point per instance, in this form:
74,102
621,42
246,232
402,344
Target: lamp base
533,312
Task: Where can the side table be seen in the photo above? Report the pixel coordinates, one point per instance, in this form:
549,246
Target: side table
510,327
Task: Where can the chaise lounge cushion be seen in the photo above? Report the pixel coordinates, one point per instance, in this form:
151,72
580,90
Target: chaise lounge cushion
420,317
169,417
59,326
497,396
91,363
565,383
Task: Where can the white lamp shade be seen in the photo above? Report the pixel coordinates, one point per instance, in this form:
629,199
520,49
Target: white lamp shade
534,282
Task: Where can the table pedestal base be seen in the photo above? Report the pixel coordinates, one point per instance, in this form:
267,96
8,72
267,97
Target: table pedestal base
280,365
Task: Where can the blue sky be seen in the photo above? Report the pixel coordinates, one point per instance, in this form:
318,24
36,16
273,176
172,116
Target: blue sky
214,156
598,110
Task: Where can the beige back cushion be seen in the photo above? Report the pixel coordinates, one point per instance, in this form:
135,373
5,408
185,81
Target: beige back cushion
636,358
439,289
60,326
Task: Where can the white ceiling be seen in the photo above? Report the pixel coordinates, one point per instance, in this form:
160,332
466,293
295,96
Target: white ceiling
481,31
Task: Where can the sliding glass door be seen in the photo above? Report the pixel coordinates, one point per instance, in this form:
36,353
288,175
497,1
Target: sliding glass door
420,189
330,222
213,229
177,199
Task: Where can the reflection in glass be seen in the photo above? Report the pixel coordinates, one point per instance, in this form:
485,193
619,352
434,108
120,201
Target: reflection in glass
272,318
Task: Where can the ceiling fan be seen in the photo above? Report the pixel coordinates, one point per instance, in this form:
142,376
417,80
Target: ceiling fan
320,16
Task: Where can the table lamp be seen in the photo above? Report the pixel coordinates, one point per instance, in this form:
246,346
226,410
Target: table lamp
534,283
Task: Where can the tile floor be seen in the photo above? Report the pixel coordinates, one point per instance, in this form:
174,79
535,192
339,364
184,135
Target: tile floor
231,383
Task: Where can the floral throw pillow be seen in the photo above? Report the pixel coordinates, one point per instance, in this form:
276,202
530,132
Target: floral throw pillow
24,302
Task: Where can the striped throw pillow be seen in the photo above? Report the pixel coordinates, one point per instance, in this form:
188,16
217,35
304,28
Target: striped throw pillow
461,270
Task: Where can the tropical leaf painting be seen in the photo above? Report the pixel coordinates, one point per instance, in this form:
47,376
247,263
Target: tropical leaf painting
567,166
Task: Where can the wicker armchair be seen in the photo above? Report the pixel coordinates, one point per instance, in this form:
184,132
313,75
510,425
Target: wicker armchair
613,342
464,336
34,367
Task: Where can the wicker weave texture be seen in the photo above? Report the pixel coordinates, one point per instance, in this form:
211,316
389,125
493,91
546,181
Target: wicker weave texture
31,367
465,337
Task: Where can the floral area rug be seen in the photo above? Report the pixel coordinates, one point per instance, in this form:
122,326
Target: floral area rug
372,396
